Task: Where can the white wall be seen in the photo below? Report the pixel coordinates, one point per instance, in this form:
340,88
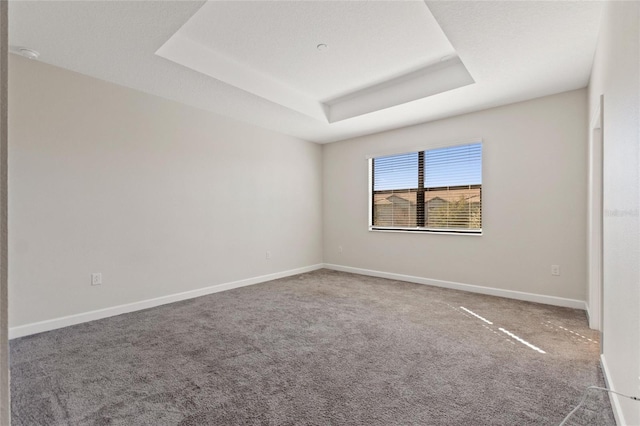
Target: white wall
160,197
616,75
534,199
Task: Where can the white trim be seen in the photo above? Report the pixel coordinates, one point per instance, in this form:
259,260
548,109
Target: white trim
52,324
55,323
510,294
594,218
424,231
371,171
596,118
613,398
370,164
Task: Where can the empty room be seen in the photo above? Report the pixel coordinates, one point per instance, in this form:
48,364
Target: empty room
319,212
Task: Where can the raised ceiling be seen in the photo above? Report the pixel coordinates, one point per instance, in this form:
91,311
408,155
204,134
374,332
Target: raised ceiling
329,60
386,64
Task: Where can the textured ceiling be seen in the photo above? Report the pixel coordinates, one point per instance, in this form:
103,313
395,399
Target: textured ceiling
513,51
375,54
367,42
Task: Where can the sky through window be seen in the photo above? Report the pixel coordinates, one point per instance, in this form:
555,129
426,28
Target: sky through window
452,166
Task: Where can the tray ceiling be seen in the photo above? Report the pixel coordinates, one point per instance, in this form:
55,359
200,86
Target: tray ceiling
387,64
328,60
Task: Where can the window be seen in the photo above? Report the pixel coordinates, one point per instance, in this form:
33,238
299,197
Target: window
436,190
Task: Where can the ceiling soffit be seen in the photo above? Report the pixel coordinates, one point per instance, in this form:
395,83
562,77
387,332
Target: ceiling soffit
328,60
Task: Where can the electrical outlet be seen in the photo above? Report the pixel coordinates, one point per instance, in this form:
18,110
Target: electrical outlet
268,255
96,278
555,270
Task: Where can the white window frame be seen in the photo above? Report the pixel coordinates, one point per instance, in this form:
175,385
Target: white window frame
423,230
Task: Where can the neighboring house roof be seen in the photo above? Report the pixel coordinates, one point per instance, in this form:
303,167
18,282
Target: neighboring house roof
471,195
395,199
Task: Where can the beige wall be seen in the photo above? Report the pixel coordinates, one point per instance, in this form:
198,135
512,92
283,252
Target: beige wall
159,197
534,199
615,75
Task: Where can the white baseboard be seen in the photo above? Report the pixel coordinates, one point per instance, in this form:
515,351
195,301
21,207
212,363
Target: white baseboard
52,324
510,294
613,398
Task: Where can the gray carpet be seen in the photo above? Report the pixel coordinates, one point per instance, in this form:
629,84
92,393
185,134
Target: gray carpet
316,349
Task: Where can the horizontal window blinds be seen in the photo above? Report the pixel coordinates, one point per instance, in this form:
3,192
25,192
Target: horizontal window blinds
431,190
455,166
396,171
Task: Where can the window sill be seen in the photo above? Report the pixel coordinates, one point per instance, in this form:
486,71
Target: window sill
425,231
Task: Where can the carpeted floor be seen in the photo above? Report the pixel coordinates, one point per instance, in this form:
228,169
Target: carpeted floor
315,349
